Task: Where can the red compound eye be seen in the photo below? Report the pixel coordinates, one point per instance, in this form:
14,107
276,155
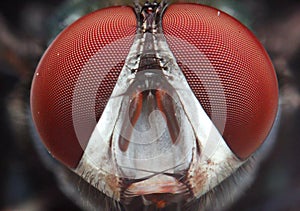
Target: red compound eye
94,47
228,70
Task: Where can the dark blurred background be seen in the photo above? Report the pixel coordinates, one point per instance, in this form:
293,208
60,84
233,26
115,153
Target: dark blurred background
26,27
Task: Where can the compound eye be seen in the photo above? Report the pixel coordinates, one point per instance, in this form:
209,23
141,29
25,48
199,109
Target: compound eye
228,70
75,79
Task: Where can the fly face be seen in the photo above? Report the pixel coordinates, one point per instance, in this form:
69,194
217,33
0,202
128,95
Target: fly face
159,102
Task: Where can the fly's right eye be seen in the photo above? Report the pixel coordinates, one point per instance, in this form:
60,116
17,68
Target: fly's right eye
86,58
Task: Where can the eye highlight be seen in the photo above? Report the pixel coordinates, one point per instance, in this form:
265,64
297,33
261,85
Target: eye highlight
228,70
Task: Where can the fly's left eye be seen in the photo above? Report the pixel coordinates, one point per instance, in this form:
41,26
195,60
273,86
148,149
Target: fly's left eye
228,70
75,79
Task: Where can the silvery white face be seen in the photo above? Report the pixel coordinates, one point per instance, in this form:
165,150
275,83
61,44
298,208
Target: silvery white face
160,137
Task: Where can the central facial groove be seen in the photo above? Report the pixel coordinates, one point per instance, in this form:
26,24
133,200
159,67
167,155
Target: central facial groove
141,107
